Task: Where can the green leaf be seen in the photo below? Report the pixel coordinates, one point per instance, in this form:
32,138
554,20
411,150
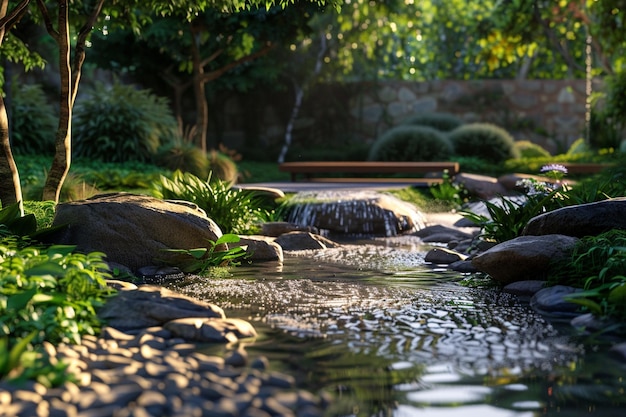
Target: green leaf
16,351
593,307
20,300
618,295
46,268
227,238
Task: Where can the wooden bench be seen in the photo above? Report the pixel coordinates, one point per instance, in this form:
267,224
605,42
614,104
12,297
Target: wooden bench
585,168
309,168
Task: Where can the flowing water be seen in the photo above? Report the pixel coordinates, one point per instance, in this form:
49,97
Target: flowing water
384,334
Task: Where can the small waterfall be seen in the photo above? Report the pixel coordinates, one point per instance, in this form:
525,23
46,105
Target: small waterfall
355,213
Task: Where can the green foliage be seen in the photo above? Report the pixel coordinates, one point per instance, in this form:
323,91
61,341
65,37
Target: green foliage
183,156
607,126
579,146
46,294
528,149
234,211
222,166
598,265
33,123
74,188
42,210
449,191
509,215
444,122
411,143
12,222
202,260
484,140
120,123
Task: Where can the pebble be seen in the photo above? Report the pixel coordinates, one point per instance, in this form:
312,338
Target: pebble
148,374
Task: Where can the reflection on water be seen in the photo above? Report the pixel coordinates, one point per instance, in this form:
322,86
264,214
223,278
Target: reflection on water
385,335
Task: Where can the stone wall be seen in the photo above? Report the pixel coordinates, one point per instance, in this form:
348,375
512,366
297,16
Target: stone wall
548,112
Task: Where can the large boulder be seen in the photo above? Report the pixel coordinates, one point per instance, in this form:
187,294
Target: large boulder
133,230
524,258
356,213
581,220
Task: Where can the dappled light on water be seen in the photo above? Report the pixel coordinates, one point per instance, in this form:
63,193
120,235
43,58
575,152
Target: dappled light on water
386,334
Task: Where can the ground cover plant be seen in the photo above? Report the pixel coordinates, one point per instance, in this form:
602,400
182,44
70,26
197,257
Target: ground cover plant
598,265
47,294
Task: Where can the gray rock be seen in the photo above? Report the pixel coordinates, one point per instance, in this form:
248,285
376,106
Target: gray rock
581,220
619,351
260,248
133,230
523,258
275,229
202,329
441,234
588,323
304,241
443,256
160,274
526,288
480,186
551,301
153,306
464,267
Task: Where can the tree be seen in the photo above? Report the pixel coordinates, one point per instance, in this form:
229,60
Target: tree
517,28
58,24
10,188
195,54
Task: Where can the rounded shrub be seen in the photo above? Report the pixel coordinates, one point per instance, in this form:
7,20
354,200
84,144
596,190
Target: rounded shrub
33,121
411,143
484,140
222,167
528,149
119,123
443,122
185,157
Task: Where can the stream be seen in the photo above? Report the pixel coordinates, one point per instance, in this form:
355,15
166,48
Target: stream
382,333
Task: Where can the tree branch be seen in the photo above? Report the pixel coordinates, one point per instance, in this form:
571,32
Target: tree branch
79,56
211,58
213,75
8,21
47,20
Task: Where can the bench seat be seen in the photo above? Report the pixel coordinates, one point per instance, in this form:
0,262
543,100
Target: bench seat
308,168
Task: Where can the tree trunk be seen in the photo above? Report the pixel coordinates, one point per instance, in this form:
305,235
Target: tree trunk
10,188
63,147
202,108
299,93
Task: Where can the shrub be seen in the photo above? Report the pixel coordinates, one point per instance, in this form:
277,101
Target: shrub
411,143
444,122
234,211
46,294
184,157
484,140
33,121
528,149
222,167
120,123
